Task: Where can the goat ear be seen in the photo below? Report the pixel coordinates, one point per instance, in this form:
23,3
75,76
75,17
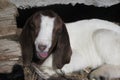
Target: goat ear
26,41
63,50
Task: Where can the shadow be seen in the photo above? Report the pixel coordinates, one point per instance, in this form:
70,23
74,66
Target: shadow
16,74
70,13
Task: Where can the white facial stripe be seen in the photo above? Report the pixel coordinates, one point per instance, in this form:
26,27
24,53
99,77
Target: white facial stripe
45,33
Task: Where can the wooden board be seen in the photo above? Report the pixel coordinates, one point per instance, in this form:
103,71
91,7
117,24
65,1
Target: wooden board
8,13
10,54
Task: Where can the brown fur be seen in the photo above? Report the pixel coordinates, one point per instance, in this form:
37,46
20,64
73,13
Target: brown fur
60,40
62,53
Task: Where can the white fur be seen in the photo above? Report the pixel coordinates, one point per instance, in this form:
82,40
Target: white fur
45,33
108,71
85,37
94,42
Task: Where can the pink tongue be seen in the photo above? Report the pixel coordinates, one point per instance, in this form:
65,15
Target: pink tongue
44,55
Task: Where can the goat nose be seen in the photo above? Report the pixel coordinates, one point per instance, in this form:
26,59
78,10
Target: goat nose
42,47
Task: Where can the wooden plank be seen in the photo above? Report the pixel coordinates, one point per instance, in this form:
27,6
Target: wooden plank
6,66
9,47
5,23
3,4
10,54
7,30
8,13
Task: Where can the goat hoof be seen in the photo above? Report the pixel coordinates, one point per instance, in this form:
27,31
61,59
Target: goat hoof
92,77
95,75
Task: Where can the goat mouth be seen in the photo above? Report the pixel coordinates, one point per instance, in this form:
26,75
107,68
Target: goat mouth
42,55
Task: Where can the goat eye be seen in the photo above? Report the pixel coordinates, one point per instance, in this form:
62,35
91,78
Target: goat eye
59,31
32,27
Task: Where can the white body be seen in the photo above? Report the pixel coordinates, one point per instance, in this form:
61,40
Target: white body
94,43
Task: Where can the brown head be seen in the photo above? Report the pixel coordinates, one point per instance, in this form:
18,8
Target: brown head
43,34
